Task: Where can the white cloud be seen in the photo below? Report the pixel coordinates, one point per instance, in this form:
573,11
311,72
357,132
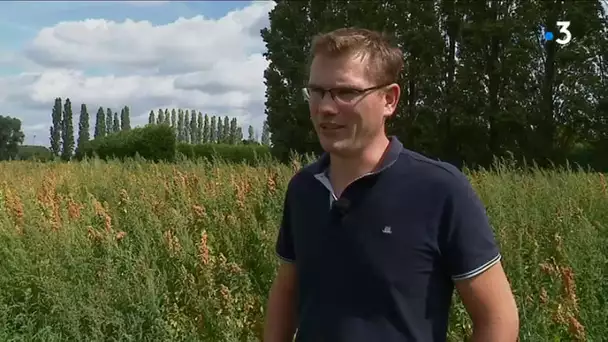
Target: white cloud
225,74
185,44
213,66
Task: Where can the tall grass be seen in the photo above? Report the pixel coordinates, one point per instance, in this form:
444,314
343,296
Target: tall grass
107,251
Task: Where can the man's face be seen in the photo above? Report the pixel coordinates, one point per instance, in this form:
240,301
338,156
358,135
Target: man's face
354,118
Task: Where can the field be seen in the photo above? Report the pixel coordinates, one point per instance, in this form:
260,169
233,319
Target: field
98,251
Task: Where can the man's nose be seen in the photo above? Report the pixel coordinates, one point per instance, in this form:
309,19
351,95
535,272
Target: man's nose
327,104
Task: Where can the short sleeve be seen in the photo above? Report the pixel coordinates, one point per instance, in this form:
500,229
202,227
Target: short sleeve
468,244
284,245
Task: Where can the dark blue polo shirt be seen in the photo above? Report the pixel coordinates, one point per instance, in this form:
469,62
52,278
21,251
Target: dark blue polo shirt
379,264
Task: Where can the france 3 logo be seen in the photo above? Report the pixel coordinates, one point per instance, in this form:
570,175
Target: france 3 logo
563,29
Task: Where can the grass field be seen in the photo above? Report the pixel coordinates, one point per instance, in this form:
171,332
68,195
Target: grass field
140,252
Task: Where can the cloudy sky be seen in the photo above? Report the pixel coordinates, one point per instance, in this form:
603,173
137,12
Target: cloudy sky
203,55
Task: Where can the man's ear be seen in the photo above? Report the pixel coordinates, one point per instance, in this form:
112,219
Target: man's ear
391,97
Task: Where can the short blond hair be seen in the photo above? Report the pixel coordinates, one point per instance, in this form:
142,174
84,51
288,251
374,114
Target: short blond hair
384,58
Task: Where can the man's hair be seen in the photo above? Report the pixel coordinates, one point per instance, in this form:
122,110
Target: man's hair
385,60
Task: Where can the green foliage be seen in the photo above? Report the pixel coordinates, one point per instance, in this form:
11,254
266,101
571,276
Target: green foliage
226,138
115,123
478,80
152,142
233,131
67,131
34,153
213,130
265,134
250,154
206,130
193,128
220,130
83,127
250,133
180,126
151,117
109,121
589,156
167,120
160,118
199,128
11,136
100,124
173,117
55,130
125,119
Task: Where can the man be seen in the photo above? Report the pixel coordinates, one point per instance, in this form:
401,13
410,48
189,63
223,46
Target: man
375,237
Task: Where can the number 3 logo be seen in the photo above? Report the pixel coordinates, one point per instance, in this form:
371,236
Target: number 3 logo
563,28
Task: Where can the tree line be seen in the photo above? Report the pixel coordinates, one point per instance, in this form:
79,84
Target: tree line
62,142
189,126
480,80
195,128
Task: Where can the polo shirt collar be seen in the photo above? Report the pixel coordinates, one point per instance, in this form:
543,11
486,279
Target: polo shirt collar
395,147
321,167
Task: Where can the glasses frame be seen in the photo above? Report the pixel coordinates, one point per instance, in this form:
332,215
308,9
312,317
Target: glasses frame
334,92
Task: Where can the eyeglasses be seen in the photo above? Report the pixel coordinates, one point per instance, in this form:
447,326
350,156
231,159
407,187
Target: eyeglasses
345,95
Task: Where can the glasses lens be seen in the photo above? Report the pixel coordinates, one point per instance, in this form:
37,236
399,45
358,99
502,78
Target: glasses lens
346,95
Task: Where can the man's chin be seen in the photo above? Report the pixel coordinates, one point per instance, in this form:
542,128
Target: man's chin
335,146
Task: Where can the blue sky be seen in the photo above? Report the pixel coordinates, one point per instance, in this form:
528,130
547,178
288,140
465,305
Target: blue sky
20,21
35,67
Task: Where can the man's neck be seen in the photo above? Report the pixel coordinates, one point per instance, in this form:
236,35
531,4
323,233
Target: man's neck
345,170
